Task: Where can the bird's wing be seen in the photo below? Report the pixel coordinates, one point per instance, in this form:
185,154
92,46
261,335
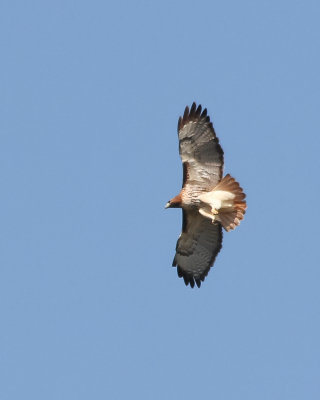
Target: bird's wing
197,247
200,151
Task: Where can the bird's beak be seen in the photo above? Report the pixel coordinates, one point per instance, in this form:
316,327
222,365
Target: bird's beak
167,205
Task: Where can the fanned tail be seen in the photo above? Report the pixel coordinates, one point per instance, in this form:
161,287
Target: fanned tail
230,217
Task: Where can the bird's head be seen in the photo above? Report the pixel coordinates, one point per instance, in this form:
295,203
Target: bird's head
174,203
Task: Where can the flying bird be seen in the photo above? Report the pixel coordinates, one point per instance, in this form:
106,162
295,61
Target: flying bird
208,200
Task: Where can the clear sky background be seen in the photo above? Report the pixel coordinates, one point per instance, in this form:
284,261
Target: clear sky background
90,97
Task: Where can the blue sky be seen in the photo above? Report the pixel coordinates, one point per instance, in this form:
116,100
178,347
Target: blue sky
90,96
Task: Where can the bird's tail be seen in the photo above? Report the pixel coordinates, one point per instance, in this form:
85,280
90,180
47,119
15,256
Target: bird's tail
231,216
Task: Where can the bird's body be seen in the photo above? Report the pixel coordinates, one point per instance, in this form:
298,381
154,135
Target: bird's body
208,200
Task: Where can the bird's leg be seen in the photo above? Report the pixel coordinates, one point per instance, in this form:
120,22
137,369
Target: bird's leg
207,214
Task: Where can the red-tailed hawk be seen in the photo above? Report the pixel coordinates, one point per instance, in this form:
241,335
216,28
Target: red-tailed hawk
208,200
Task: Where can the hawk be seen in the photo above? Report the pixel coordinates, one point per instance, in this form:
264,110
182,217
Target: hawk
209,201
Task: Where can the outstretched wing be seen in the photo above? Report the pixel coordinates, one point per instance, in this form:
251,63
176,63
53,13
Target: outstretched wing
200,151
197,247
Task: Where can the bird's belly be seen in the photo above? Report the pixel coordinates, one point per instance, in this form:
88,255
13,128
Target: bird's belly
218,199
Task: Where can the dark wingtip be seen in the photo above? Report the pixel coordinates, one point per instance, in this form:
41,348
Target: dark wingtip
186,113
204,113
193,108
189,279
195,113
